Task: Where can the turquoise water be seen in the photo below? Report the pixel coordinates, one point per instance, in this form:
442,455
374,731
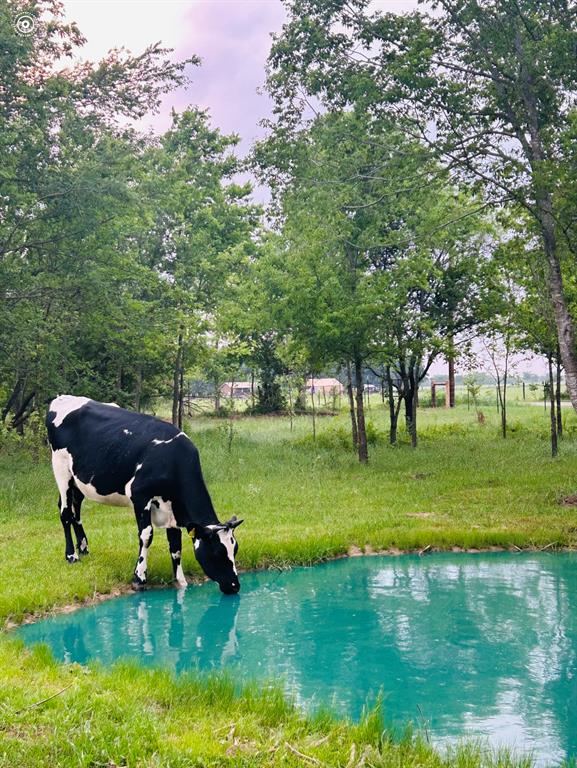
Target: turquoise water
466,645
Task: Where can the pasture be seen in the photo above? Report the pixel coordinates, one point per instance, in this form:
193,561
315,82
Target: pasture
303,501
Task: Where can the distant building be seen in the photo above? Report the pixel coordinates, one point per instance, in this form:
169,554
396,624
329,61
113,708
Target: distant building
326,386
239,389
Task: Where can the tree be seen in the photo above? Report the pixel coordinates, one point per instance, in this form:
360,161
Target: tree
490,86
68,206
200,230
371,268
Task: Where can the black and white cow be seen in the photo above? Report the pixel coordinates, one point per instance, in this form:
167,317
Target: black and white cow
107,454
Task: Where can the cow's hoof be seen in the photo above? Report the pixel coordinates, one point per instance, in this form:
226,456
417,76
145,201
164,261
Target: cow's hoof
138,586
181,584
83,552
71,559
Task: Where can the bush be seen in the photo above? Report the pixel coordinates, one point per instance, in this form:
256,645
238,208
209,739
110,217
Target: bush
33,440
341,438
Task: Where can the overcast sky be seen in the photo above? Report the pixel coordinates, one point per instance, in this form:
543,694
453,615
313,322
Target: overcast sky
232,37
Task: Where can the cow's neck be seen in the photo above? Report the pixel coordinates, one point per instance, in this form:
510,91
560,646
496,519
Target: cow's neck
198,504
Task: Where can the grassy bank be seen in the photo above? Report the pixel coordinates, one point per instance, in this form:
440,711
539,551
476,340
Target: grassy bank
305,500
302,501
131,717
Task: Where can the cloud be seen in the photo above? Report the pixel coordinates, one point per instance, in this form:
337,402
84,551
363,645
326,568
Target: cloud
233,40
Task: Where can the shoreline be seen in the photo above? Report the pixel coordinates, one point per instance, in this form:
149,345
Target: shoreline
353,551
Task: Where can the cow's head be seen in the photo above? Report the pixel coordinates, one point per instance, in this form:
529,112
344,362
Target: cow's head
215,547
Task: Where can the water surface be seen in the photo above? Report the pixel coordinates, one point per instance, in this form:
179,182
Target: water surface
468,645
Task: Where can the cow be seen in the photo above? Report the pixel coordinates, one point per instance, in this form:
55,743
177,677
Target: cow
114,456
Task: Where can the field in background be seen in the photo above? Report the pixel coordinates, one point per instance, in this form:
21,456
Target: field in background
487,397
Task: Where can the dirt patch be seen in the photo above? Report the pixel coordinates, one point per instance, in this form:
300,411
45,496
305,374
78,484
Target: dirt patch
355,551
569,501
97,597
420,515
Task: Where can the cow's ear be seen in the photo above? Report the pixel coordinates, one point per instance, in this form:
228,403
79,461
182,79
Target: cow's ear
234,522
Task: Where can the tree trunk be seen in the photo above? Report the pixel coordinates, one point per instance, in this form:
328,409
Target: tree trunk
502,403
23,412
554,447
181,393
361,427
451,361
546,219
176,381
138,389
563,320
12,399
558,395
354,428
393,409
410,387
314,411
414,404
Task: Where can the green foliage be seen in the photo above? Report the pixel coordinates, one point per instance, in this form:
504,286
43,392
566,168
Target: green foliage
488,87
112,246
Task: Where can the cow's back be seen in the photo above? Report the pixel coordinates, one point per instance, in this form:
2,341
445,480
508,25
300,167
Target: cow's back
106,443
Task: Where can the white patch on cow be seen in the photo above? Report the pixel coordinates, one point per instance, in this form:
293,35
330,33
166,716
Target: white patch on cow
114,405
156,441
65,404
227,538
62,468
146,535
128,486
113,499
127,431
142,565
176,555
196,543
180,577
161,513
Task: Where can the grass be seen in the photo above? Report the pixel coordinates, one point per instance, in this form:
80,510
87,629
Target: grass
302,501
128,716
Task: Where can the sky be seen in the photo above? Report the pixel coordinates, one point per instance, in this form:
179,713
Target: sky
232,38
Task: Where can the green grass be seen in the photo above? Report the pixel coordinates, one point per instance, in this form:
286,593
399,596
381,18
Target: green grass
132,717
302,501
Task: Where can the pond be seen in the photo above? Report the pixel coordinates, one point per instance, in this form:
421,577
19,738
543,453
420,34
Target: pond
463,645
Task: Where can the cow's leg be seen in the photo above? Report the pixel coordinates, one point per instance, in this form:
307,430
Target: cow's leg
65,483
174,536
81,540
145,534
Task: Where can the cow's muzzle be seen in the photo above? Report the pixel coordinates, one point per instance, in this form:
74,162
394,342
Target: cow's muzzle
230,588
